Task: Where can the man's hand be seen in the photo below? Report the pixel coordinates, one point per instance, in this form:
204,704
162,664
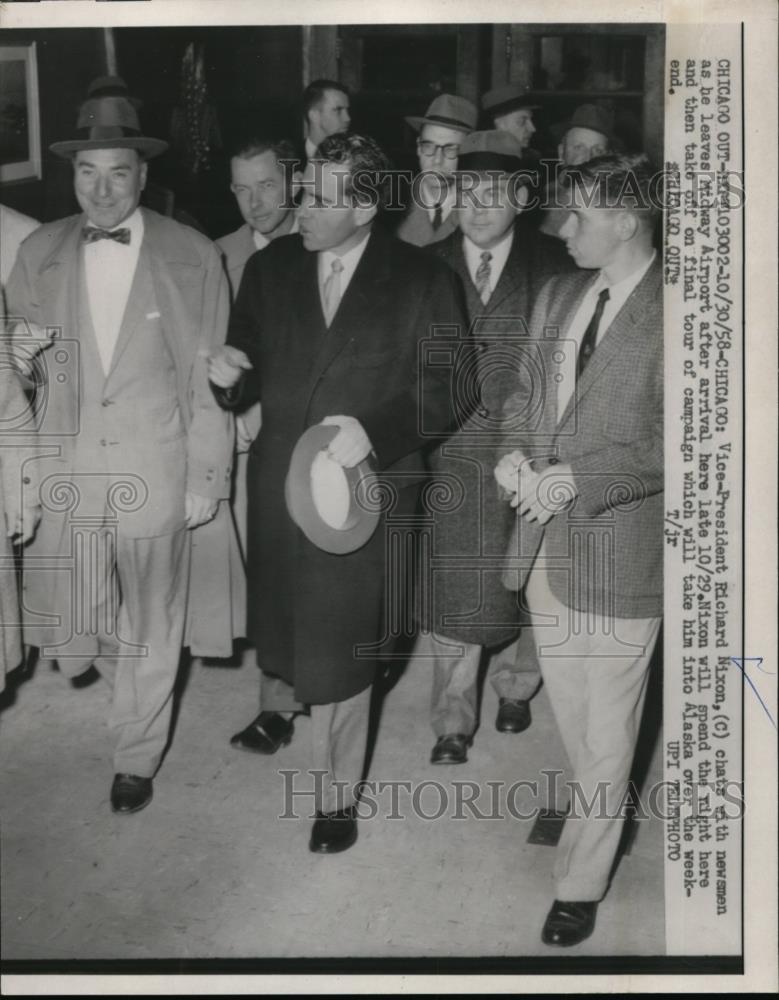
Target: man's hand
198,509
226,365
351,444
508,472
22,523
27,340
542,495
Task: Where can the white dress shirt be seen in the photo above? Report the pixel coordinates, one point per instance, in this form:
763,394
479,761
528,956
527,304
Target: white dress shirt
109,269
350,260
311,149
447,205
500,254
618,295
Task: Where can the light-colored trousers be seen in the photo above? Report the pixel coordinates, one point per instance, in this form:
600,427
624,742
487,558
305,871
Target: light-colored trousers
339,735
513,672
139,654
595,671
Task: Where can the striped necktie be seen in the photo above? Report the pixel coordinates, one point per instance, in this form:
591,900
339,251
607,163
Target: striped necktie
483,276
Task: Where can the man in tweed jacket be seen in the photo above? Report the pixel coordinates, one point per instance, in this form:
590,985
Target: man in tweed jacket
583,465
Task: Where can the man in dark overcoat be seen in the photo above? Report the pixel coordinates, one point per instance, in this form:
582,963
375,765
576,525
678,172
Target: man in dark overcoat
503,264
327,328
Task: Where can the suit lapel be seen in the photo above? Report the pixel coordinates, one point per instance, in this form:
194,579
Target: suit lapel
137,302
513,275
624,323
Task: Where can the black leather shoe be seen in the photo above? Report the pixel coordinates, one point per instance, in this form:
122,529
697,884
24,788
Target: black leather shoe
130,793
334,832
569,923
451,749
513,715
266,734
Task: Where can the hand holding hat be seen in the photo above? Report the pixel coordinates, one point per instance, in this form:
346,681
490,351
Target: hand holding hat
351,444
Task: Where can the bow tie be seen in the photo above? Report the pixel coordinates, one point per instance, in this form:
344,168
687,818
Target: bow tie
91,234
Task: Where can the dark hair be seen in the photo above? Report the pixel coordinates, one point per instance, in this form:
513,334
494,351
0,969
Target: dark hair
625,181
255,145
315,92
364,157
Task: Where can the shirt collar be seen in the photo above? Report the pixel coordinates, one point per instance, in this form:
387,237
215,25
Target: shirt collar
620,290
350,260
500,253
133,222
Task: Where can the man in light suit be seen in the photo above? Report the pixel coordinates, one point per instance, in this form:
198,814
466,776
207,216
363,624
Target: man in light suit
327,329
431,216
503,264
584,469
136,453
264,182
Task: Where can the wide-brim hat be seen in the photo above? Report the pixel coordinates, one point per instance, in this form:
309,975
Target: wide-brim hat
108,119
450,111
508,97
331,505
490,150
592,116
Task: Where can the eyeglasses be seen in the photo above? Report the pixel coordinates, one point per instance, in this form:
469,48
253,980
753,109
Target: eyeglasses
429,148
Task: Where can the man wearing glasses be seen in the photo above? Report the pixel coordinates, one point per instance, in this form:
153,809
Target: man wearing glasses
430,218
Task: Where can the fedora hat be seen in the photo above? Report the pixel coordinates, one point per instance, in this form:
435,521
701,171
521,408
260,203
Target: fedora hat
450,111
108,119
326,501
592,116
492,149
508,97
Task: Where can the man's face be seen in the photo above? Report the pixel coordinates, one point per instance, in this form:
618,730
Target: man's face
332,116
437,148
327,218
591,234
259,188
518,123
489,211
108,184
581,144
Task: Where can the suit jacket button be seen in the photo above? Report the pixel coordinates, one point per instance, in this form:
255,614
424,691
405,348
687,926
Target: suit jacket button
105,402
103,442
482,411
553,460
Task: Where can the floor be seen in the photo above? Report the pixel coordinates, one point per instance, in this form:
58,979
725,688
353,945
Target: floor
209,870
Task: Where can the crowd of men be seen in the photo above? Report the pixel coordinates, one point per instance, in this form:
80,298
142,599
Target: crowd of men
172,380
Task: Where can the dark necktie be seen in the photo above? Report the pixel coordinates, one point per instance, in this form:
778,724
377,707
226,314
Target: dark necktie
91,234
591,334
438,215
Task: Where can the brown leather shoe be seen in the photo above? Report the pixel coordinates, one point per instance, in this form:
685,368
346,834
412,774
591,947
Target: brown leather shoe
130,793
266,734
513,715
569,923
334,832
451,749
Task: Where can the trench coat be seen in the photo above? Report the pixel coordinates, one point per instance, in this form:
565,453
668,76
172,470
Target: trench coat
469,602
319,620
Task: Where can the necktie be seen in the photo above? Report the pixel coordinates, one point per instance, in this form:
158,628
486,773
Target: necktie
591,334
483,276
438,215
91,234
331,294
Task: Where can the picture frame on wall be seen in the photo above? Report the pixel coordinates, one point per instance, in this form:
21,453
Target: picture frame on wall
20,127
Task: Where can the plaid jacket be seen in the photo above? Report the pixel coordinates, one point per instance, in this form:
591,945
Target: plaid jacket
605,550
